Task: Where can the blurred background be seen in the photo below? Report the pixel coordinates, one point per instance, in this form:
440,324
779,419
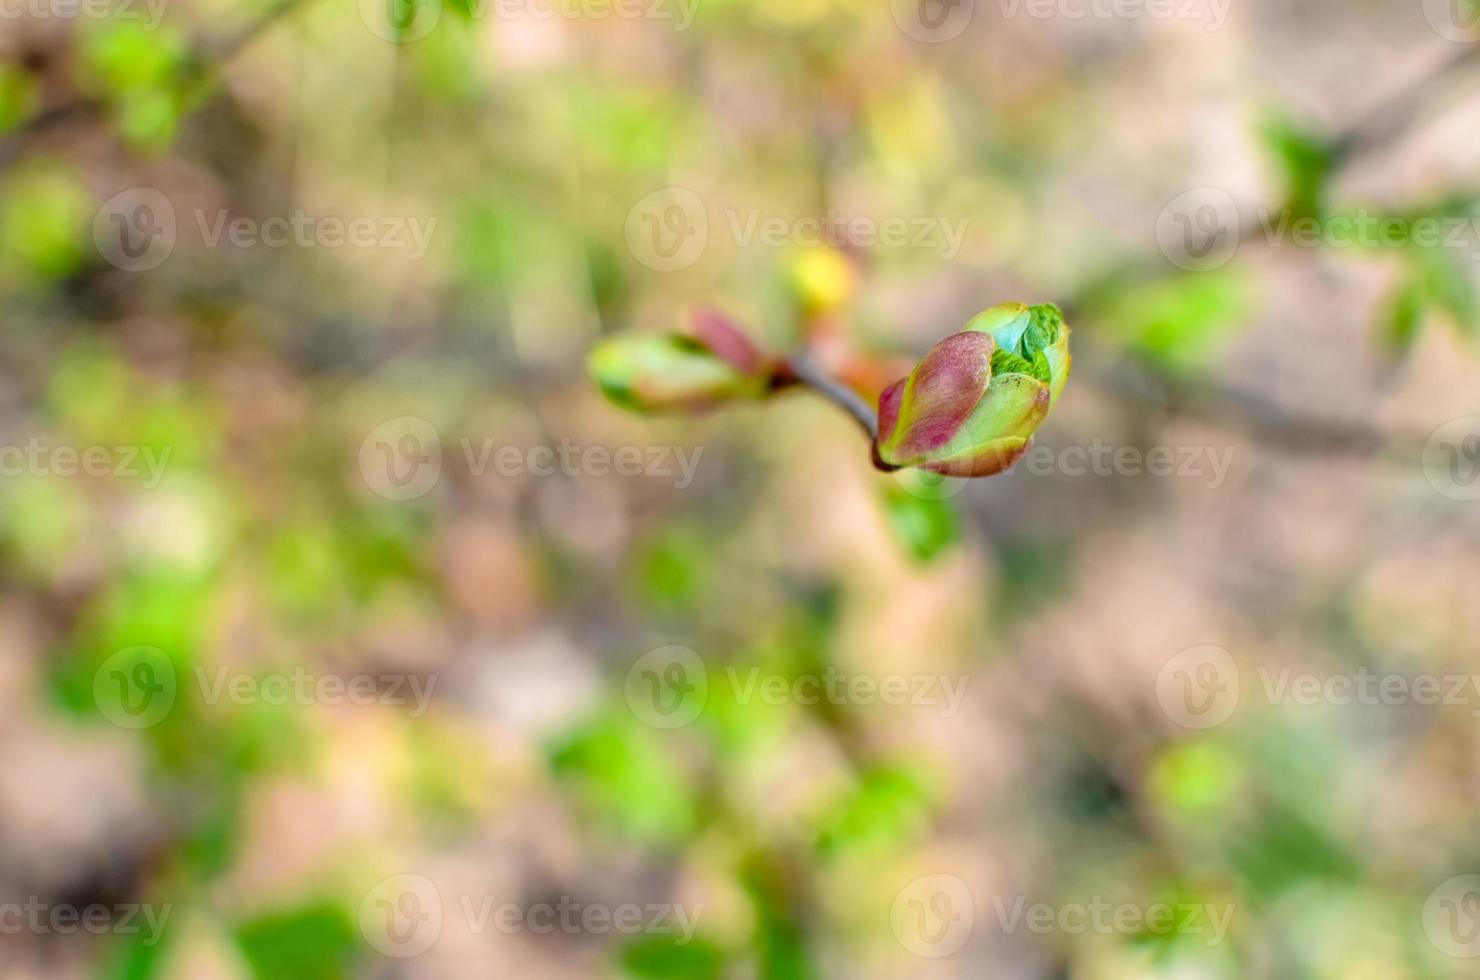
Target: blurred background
348,632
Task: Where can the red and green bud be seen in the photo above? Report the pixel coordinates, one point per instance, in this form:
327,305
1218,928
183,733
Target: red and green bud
656,373
971,406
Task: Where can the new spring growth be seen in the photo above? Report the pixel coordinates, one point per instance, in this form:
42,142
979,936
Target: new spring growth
686,373
969,408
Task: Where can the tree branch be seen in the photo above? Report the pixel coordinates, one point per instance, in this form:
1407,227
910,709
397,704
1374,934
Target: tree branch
811,374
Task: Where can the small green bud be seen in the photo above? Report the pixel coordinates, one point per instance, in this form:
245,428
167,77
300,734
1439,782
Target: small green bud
666,373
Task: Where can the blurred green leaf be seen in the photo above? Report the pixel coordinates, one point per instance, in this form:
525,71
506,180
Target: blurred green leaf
1307,162
1402,318
927,528
622,773
888,806
18,96
1179,323
316,942
667,958
45,217
1448,280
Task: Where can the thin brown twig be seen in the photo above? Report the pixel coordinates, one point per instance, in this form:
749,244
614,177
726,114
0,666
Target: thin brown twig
811,374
